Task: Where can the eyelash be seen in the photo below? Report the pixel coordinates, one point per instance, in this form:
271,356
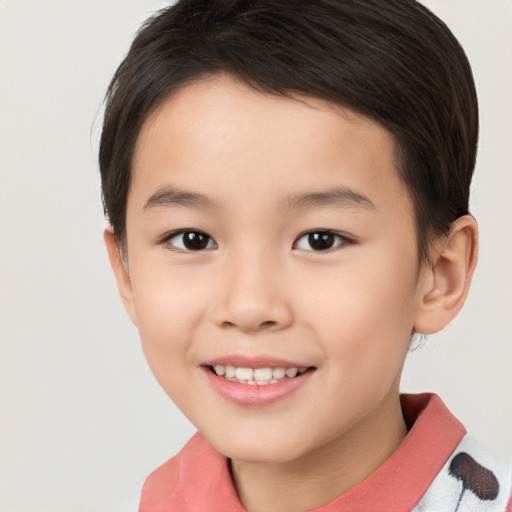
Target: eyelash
167,240
338,237
333,236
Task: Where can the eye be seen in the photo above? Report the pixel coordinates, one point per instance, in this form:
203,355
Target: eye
320,241
191,241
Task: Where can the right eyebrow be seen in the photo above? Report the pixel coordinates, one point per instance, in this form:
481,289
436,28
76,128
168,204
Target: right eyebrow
340,196
171,196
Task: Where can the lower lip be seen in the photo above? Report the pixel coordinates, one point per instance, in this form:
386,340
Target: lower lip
256,395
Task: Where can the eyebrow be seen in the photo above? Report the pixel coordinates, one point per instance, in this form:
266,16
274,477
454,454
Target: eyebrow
342,196
171,196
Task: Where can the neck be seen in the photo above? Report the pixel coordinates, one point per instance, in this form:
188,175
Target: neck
319,477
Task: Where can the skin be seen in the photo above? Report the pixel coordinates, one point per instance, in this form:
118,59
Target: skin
258,288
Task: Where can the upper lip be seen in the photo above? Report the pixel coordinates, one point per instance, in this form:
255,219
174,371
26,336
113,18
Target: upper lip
254,361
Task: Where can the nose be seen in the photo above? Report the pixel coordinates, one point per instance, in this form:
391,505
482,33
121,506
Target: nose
253,296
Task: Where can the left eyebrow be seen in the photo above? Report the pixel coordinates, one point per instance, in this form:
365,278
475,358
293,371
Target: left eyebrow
172,196
342,196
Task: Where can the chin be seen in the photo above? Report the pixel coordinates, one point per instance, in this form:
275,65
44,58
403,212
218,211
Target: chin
258,449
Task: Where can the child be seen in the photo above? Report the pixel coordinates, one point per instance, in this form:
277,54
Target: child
287,186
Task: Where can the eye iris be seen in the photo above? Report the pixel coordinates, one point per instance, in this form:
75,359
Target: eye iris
195,241
321,241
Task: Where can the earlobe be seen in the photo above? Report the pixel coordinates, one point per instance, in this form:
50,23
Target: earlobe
121,273
446,280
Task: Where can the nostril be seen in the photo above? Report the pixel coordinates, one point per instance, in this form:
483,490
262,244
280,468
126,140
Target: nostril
227,324
269,324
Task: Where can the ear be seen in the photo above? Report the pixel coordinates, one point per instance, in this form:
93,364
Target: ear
121,273
446,279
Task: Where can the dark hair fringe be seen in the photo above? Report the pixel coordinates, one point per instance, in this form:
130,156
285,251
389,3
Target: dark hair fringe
392,61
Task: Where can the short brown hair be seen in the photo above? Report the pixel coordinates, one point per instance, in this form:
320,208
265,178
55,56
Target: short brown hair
391,60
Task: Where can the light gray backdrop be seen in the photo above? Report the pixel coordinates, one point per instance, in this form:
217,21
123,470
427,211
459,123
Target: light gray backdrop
80,414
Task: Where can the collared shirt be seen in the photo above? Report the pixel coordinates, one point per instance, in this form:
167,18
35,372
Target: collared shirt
437,468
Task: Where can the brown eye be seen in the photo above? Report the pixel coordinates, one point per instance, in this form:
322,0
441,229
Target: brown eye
319,241
191,241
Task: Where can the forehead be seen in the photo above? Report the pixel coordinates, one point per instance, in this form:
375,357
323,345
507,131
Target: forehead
218,131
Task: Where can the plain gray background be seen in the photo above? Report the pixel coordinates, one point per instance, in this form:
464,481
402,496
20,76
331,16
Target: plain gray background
81,417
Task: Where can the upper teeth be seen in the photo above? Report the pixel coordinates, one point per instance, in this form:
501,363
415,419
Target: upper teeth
256,375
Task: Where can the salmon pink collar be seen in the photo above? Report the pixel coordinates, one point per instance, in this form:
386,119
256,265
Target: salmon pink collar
198,478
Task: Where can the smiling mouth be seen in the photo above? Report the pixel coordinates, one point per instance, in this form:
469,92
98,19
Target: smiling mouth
257,376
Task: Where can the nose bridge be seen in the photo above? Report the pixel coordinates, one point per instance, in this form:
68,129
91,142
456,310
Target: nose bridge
252,298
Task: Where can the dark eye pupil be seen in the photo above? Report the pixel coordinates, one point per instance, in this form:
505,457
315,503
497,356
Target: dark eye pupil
194,240
321,241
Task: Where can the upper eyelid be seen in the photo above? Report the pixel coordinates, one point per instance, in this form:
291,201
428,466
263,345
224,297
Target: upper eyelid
329,231
172,234
175,232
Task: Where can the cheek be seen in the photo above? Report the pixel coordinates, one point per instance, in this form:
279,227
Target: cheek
169,307
365,318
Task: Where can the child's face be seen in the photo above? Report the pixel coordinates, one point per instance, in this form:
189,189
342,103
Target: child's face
256,175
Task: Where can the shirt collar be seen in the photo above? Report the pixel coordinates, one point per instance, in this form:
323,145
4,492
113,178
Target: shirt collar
204,481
